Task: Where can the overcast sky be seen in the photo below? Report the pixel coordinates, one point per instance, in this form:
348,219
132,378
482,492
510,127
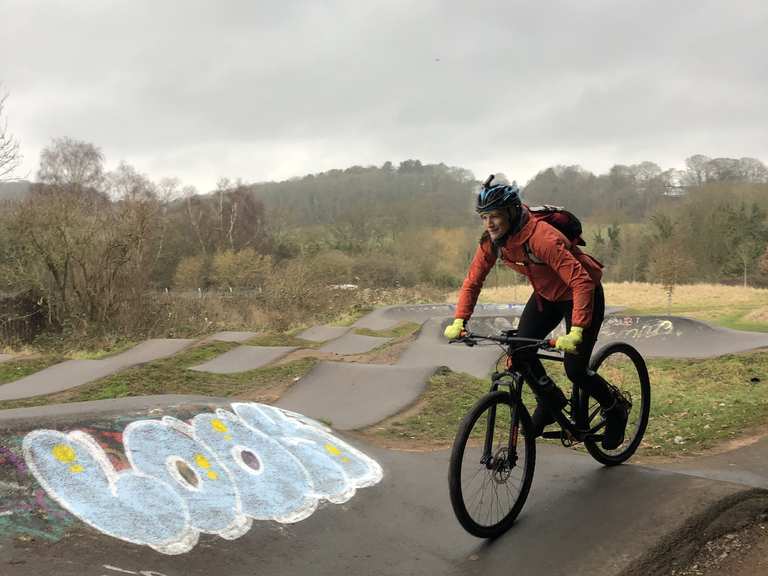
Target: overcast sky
270,90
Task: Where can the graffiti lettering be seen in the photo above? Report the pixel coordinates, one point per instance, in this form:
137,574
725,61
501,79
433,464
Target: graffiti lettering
140,573
215,475
637,328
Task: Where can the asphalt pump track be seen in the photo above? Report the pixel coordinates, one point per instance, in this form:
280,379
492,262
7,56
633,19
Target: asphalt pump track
119,487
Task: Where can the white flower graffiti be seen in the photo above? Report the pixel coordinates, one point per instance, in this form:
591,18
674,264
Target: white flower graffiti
215,475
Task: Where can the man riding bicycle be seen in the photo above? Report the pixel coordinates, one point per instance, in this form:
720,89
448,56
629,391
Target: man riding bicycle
566,285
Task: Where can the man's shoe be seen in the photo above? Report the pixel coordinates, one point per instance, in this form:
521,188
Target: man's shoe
615,424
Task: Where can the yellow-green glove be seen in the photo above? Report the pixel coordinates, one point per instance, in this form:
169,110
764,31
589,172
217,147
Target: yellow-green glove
570,341
454,330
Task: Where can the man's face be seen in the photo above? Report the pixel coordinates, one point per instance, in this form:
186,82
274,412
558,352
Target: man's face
496,223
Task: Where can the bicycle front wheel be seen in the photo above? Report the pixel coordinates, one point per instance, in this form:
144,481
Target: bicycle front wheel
492,464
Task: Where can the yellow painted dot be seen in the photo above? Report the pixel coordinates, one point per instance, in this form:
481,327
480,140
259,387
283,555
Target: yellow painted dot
64,453
212,475
76,469
227,437
345,459
332,450
218,425
202,461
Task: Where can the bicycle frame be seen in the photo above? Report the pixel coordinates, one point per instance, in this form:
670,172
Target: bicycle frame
574,430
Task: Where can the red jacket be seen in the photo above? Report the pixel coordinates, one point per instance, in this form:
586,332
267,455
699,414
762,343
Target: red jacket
566,274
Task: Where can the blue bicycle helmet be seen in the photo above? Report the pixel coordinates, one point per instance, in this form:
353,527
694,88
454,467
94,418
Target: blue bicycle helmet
497,196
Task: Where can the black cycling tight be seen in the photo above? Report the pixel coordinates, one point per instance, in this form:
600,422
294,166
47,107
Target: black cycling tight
540,317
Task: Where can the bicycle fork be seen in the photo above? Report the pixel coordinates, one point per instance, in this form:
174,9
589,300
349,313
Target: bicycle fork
505,456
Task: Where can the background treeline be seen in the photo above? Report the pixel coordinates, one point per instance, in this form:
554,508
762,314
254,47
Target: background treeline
112,251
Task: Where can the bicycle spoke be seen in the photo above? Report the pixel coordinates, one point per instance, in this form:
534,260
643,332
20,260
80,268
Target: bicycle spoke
490,499
623,368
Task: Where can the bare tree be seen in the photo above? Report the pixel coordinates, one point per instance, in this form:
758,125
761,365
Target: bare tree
10,157
71,163
90,257
748,251
669,265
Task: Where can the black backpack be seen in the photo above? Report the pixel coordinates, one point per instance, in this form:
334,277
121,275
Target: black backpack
559,218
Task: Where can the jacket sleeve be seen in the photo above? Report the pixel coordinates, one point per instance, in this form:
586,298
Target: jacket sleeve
551,247
482,263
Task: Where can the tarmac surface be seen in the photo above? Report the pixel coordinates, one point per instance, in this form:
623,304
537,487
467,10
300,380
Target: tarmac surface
747,465
232,336
323,333
78,372
351,396
243,358
353,344
580,517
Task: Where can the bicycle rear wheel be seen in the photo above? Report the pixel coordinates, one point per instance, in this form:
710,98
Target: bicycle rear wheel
622,366
489,487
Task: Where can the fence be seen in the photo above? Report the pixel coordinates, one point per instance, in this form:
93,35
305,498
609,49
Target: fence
22,317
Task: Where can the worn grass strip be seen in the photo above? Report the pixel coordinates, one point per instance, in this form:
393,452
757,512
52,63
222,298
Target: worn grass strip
696,404
100,353
401,330
350,317
172,376
17,369
281,339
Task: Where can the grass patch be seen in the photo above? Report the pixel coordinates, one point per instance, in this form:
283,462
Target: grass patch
171,376
99,353
17,369
447,399
281,339
349,317
403,329
696,404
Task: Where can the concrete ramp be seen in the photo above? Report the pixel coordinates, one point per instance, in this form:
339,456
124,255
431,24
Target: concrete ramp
354,344
671,336
351,396
432,349
229,336
74,373
323,333
244,358
747,465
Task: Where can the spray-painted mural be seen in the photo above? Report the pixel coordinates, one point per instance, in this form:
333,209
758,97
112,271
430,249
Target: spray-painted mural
215,474
637,327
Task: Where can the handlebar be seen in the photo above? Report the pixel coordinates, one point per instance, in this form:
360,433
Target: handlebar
509,338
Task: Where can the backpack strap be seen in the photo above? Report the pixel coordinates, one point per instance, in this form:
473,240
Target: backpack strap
531,256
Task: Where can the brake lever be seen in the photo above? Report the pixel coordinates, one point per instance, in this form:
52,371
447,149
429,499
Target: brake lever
466,339
550,346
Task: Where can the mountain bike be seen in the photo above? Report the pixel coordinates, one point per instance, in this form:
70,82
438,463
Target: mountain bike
494,452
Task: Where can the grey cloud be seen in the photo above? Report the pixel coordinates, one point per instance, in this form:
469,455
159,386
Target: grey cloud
455,81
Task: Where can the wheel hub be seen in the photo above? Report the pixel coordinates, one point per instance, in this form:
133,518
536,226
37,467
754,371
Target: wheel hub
501,465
